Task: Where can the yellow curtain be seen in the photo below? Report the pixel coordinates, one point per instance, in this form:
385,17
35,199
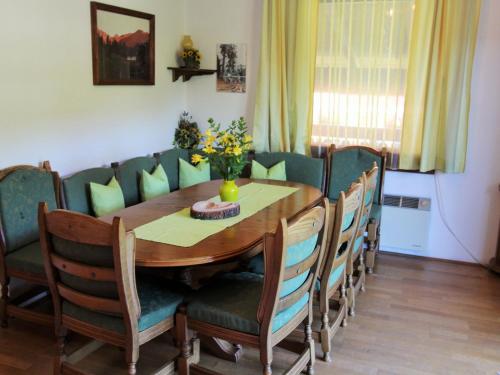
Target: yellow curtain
361,70
436,117
285,84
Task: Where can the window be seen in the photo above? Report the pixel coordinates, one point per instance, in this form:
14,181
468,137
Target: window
361,66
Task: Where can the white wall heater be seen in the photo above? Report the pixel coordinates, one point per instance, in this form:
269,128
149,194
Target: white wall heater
405,224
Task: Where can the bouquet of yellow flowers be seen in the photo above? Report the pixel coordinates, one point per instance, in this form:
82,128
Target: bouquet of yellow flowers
191,58
226,150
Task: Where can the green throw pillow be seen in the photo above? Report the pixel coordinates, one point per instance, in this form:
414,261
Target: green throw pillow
190,175
155,184
276,172
106,198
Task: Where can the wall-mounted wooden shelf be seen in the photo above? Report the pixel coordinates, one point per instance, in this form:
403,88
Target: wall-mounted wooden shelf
187,73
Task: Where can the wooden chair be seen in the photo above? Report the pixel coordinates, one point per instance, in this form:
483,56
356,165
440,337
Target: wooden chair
261,311
356,253
76,188
21,189
333,271
345,165
128,175
91,275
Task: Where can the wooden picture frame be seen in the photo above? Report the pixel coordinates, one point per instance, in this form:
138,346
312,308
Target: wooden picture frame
122,52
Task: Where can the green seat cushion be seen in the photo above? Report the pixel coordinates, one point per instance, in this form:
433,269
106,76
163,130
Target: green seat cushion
129,175
190,175
358,245
232,301
334,277
299,168
347,166
76,189
20,193
27,259
155,184
170,162
274,172
106,198
376,212
157,304
214,173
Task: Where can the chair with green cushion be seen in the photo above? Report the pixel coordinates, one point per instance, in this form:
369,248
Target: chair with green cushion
21,189
263,310
76,188
332,279
299,168
128,175
345,166
356,276
90,268
170,162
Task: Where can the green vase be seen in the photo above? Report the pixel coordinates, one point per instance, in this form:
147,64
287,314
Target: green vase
228,191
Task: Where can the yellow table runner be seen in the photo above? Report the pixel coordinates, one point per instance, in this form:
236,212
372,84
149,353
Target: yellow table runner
180,229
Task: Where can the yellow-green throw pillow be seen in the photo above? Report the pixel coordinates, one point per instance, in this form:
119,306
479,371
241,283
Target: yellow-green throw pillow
190,175
276,172
106,198
155,184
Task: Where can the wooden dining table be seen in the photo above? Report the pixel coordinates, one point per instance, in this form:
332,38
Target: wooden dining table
229,244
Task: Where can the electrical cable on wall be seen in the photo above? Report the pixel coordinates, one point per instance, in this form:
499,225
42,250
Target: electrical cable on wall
445,221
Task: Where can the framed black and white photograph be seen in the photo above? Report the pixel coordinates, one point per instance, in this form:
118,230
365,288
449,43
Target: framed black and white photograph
231,67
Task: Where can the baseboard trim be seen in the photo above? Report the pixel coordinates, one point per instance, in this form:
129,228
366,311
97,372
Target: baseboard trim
461,262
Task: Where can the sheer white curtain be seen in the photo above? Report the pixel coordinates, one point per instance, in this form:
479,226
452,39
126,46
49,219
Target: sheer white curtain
361,67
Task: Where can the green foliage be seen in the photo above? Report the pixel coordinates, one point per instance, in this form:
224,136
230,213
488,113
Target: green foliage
187,135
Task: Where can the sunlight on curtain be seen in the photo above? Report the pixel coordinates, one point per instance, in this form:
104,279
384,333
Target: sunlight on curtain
361,67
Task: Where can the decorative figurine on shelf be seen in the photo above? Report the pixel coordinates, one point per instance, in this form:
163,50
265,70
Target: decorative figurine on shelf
227,151
187,135
190,56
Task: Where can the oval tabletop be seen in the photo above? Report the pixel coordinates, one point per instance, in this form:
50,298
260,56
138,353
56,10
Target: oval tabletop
228,243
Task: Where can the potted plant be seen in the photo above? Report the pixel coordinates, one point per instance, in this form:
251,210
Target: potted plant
226,151
187,135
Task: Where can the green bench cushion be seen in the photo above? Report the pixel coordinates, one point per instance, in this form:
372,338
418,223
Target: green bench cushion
214,174
170,162
157,304
20,193
232,301
129,175
76,189
347,166
27,259
299,168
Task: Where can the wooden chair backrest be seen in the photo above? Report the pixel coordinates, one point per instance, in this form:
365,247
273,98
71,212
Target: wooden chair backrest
90,264
341,233
307,230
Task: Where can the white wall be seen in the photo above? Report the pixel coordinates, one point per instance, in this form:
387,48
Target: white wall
49,108
471,200
222,21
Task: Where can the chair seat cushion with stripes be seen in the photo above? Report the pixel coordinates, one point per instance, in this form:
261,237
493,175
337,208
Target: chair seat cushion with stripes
157,304
232,301
376,212
27,259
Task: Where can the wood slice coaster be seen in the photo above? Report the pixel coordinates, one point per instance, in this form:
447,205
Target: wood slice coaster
207,210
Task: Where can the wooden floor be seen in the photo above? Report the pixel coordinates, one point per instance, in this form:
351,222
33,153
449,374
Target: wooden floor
416,317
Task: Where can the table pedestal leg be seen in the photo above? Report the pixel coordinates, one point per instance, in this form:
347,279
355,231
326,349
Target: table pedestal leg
221,348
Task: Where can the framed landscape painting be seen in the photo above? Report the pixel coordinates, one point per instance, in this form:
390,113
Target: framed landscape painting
231,67
123,46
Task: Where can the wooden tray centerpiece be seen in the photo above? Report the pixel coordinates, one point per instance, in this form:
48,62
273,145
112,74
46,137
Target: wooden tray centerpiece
207,210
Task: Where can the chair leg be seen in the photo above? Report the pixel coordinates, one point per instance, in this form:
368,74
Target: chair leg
266,359
310,343
373,240
350,295
4,319
132,356
361,270
60,355
181,333
325,337
344,301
